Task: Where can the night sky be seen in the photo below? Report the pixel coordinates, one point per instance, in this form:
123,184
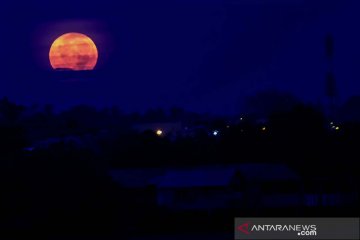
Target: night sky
203,55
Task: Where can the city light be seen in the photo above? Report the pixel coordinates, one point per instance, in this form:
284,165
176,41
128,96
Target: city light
215,132
336,128
263,128
159,132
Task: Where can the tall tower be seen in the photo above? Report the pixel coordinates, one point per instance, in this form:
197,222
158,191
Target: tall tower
330,85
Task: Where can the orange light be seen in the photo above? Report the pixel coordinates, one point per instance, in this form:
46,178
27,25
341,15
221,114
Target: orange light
73,51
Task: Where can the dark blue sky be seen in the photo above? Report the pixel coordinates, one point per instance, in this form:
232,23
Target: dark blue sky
204,55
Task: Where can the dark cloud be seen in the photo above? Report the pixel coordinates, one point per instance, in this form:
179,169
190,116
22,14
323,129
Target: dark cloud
83,61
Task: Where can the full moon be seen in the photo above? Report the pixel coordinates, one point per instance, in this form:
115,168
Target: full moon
73,51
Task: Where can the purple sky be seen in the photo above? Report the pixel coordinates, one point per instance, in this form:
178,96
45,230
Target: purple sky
201,55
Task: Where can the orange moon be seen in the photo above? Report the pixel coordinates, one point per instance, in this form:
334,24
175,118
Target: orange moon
73,51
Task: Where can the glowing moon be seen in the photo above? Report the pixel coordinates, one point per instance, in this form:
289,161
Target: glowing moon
73,51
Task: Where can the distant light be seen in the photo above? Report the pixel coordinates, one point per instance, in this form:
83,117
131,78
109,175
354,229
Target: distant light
241,119
159,132
227,126
337,128
215,132
331,123
263,128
